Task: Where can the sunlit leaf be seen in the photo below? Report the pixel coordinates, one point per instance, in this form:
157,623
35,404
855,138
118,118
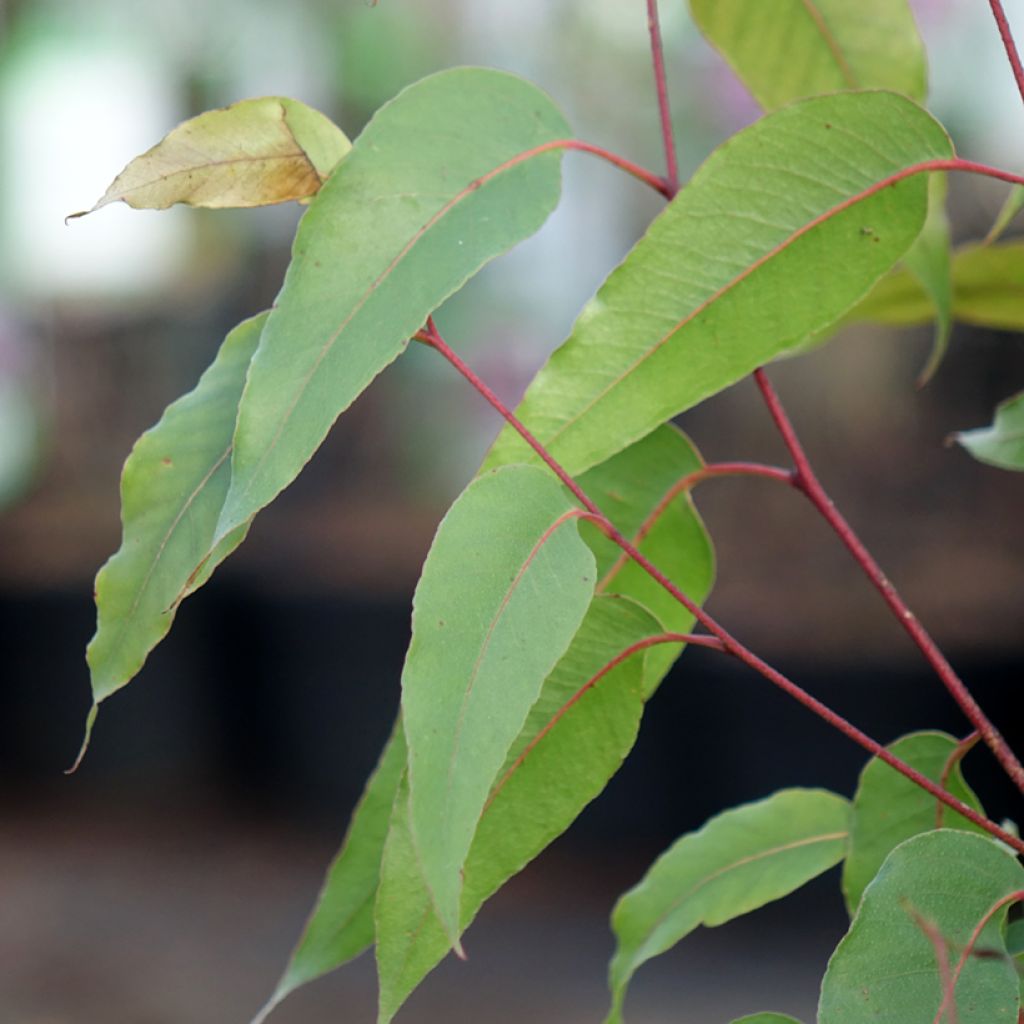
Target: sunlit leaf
789,49
1001,444
730,276
252,153
739,861
886,968
504,589
435,186
172,489
1012,205
341,925
888,808
573,741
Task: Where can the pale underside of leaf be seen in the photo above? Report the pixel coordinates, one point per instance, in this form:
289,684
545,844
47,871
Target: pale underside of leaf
1001,444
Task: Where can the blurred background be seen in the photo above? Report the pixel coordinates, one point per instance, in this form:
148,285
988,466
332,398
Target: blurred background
167,880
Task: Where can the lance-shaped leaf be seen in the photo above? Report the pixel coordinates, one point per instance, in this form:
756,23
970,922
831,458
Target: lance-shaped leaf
252,153
737,862
504,589
172,489
790,49
888,808
1012,205
341,925
640,491
575,738
1001,444
737,270
437,184
886,967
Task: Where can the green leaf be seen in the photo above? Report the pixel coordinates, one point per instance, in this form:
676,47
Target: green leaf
790,49
435,187
1001,444
172,489
739,861
635,490
1015,939
888,808
574,740
928,259
341,925
767,1018
1012,205
886,967
504,589
252,153
730,276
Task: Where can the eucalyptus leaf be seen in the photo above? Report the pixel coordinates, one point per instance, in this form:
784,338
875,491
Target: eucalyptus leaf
436,185
739,861
172,490
888,808
767,1018
886,966
1012,205
1001,444
253,153
789,49
504,589
730,275
577,733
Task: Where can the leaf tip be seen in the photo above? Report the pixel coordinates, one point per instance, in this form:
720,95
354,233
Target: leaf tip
90,721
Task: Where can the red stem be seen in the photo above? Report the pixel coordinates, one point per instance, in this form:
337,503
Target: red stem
730,644
671,180
807,481
1011,47
956,755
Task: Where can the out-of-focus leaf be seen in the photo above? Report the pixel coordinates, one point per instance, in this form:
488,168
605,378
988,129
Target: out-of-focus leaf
1001,444
739,861
789,49
573,741
888,808
729,277
886,967
253,153
1012,205
767,1018
172,489
504,589
341,925
437,184
634,489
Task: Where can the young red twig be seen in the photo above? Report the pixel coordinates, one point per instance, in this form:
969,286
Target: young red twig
956,755
664,109
939,943
430,336
1011,47
807,481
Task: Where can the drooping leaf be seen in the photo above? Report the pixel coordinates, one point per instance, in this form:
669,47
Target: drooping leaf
739,861
504,589
789,49
635,490
172,489
573,741
1001,444
888,808
767,1018
253,153
928,259
1012,205
435,186
341,925
886,967
730,276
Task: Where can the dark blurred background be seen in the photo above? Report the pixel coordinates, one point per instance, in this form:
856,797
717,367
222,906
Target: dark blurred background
167,879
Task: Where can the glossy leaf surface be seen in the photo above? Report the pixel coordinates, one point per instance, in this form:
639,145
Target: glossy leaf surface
574,740
886,967
739,861
635,490
888,808
789,49
435,186
172,490
730,275
1001,444
503,591
252,153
